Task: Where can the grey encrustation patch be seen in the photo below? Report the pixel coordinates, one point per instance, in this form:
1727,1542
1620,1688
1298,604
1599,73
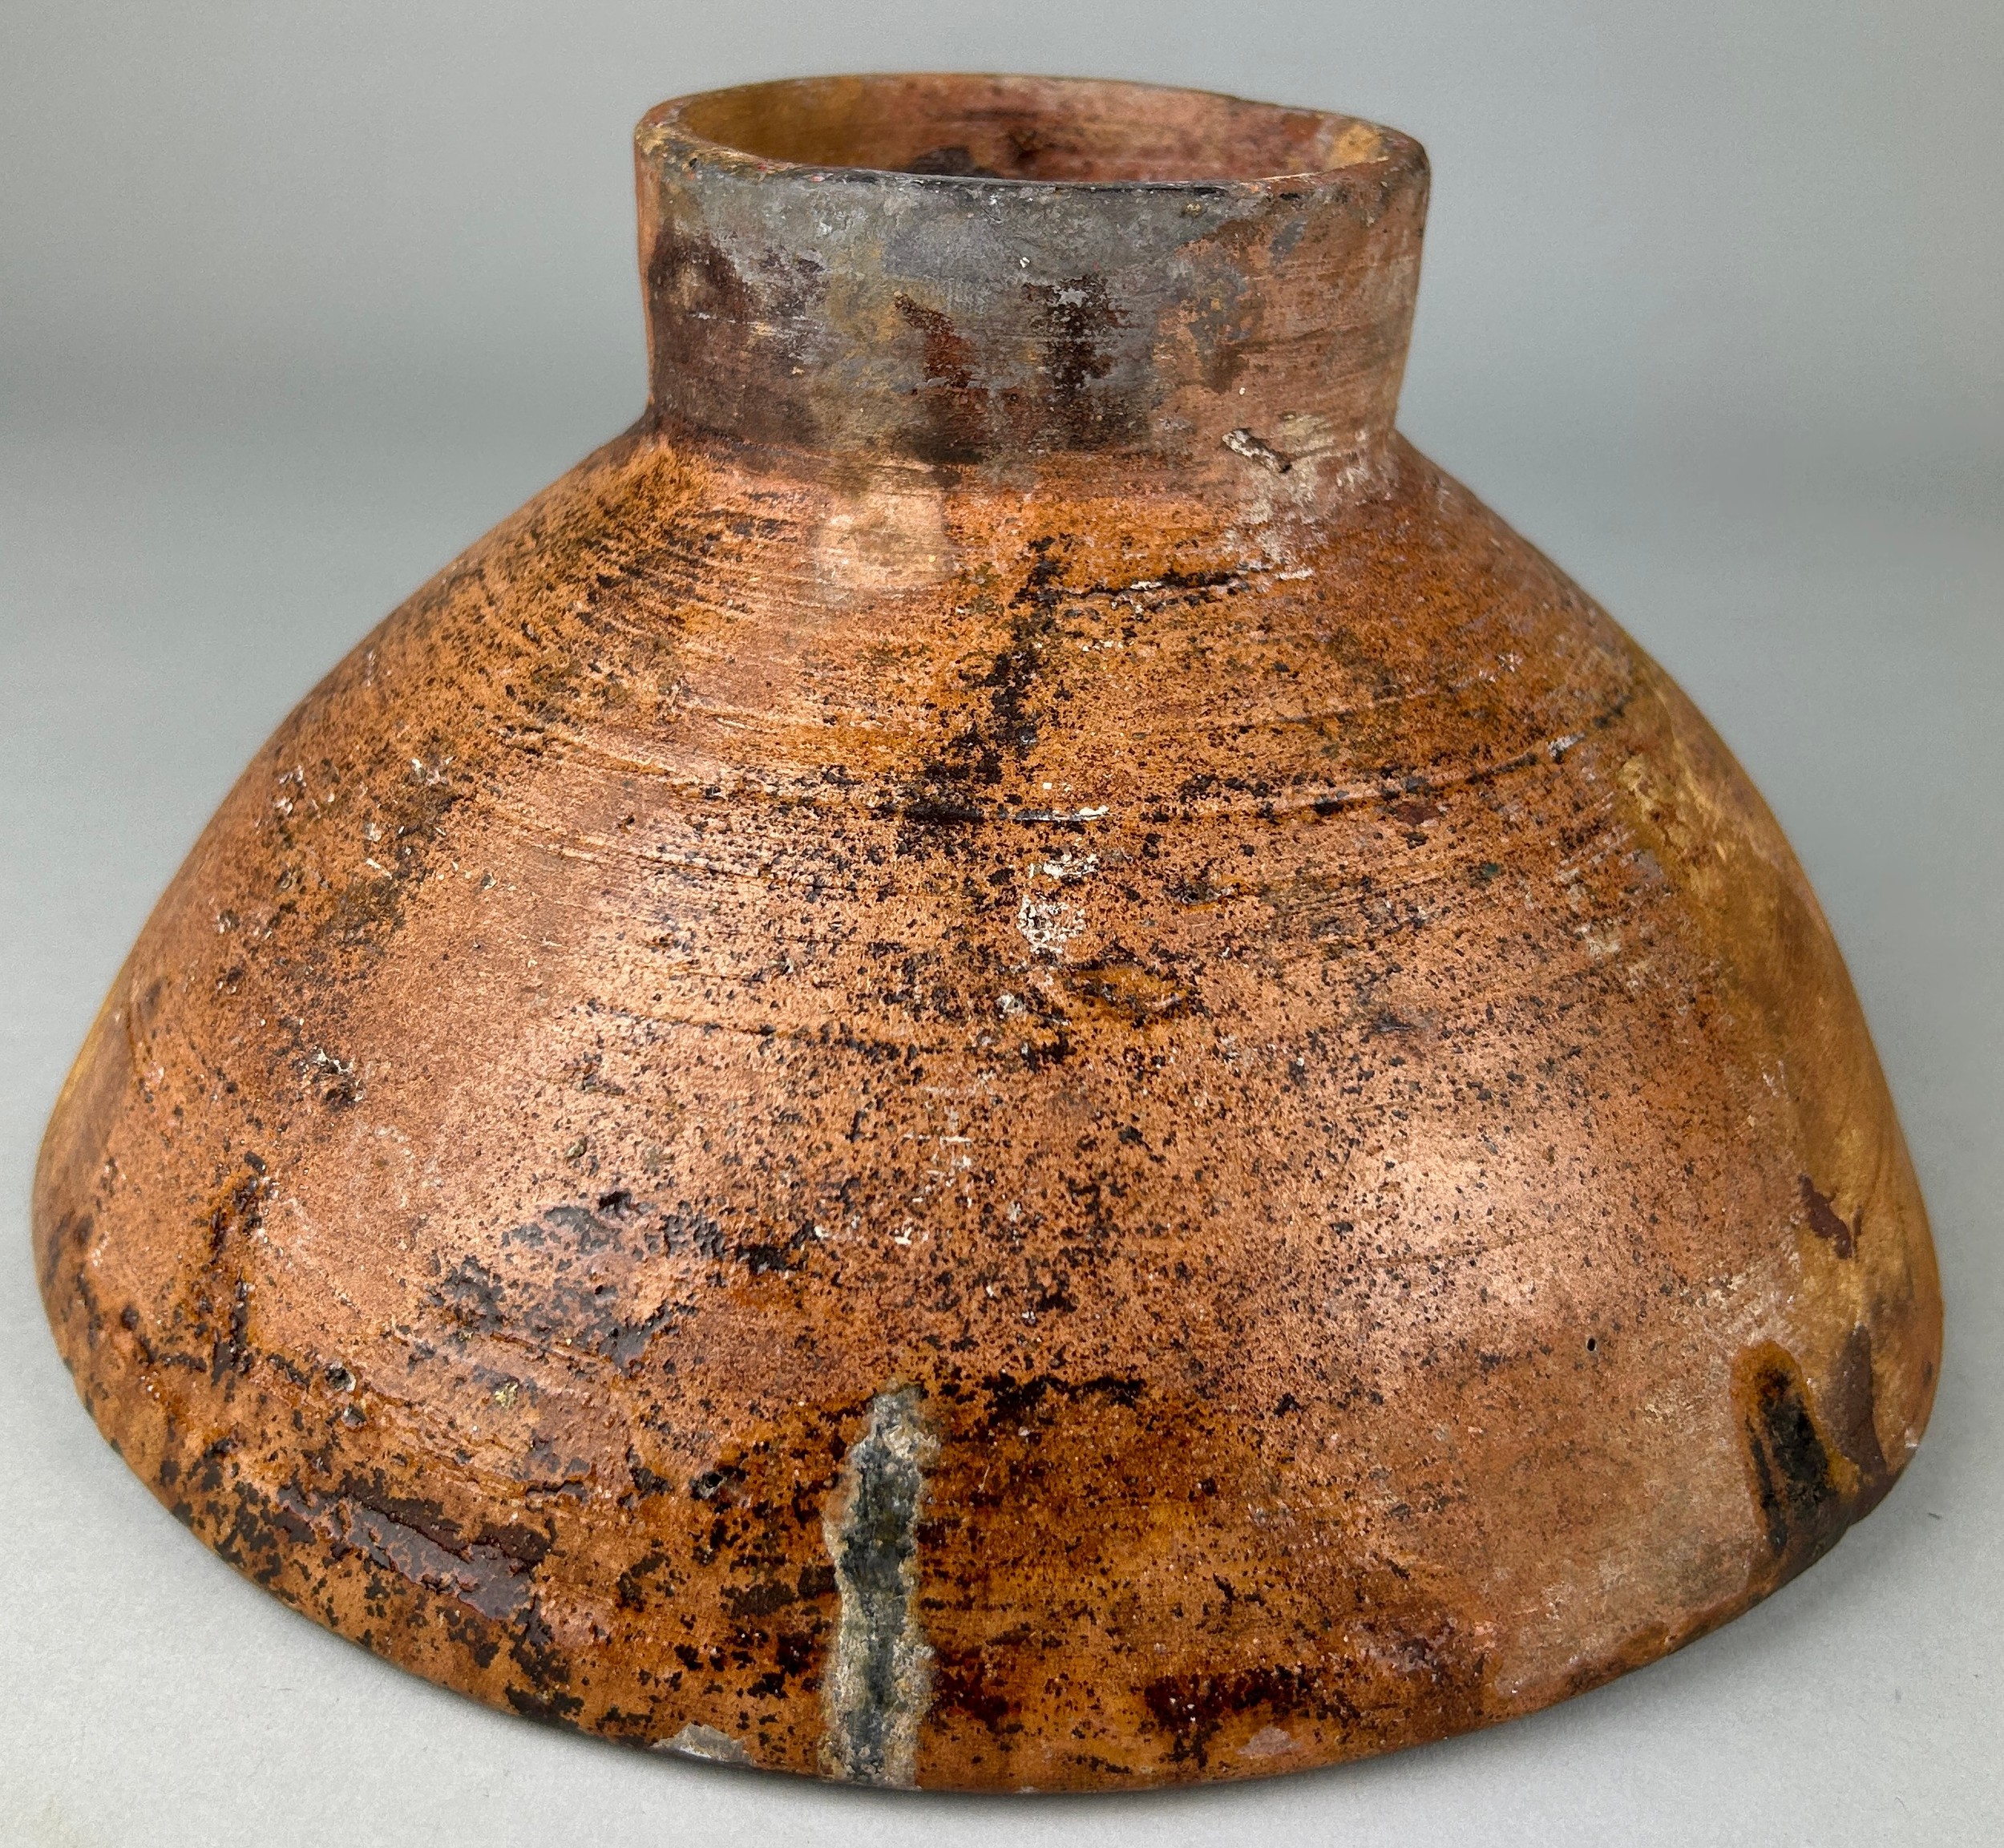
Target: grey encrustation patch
878,1682
1243,443
696,1741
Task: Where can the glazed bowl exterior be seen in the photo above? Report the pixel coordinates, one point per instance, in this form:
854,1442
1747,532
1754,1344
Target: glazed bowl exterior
1005,1058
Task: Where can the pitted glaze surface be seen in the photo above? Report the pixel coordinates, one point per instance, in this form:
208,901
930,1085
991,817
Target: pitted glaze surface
994,1065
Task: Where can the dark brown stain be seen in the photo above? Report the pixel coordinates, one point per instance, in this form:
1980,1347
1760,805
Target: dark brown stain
1077,318
708,344
956,159
1418,1678
1806,1490
1009,693
954,402
969,416
1851,1404
1826,1223
967,1681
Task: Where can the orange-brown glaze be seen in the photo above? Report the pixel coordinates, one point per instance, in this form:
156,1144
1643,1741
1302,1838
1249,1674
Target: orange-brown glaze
1048,1083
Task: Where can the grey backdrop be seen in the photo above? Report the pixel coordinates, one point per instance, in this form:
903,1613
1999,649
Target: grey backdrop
295,299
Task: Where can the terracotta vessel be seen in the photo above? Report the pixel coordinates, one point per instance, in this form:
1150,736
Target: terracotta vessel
1004,1058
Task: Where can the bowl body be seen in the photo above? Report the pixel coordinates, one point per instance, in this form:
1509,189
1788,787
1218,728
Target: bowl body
1070,1116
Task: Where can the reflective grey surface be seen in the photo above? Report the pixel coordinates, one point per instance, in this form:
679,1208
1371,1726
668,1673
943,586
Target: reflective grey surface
296,300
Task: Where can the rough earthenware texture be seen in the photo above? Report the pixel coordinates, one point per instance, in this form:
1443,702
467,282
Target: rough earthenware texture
1005,1058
